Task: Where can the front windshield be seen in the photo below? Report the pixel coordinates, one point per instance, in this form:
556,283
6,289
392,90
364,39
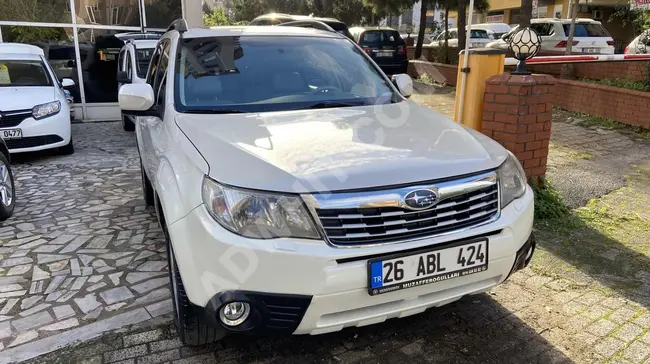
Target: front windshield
143,57
263,73
15,73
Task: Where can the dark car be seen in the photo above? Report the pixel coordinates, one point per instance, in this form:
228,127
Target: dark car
277,19
385,46
7,190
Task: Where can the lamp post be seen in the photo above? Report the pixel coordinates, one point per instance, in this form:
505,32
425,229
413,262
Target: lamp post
523,45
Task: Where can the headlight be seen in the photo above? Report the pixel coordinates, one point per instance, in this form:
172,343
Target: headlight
512,180
45,110
256,214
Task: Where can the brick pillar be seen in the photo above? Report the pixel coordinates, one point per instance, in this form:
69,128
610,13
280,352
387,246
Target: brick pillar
517,114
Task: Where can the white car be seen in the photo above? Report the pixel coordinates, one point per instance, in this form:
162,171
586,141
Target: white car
133,62
494,30
479,38
589,36
640,44
34,111
301,192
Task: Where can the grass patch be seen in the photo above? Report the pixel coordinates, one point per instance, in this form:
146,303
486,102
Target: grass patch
425,79
627,84
548,201
605,123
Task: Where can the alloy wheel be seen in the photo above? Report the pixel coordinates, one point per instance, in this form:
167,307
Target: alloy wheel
6,185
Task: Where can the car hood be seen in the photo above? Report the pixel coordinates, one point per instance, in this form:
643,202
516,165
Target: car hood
338,149
23,98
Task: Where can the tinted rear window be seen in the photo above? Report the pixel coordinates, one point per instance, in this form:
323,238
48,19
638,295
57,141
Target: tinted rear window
586,30
479,33
381,37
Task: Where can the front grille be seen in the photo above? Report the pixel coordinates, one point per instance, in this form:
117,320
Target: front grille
14,118
284,312
34,141
377,225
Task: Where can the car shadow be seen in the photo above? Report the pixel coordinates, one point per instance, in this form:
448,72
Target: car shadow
476,329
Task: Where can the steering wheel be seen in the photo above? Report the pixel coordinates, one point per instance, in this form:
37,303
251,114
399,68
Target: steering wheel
326,88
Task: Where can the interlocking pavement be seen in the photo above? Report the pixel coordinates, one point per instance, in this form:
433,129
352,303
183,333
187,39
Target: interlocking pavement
81,248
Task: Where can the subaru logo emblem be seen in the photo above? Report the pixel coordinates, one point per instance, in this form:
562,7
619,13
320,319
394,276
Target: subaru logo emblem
420,199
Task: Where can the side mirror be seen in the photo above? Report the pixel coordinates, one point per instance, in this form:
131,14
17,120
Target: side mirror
66,82
505,36
123,77
404,84
135,98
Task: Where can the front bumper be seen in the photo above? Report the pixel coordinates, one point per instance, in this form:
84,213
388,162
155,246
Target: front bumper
215,263
47,133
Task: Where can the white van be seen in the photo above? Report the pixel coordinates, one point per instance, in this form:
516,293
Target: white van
495,30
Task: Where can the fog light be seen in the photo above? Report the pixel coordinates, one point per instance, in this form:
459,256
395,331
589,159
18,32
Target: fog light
234,313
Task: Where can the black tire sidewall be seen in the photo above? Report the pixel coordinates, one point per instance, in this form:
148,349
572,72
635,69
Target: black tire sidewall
7,211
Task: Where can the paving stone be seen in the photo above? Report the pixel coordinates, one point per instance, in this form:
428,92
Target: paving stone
87,303
165,345
33,321
116,294
13,294
23,338
15,261
61,325
79,283
5,330
590,298
10,287
198,359
622,315
143,337
75,244
115,277
49,258
152,266
151,284
160,308
609,346
137,276
93,314
643,320
54,284
35,309
36,287
39,274
19,270
63,312
68,295
127,353
152,296
637,351
601,327
95,287
8,306
628,332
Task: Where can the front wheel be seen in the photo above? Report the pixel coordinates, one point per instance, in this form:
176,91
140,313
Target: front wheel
7,190
191,326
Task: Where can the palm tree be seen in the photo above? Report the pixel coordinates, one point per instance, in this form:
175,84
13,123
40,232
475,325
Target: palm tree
526,13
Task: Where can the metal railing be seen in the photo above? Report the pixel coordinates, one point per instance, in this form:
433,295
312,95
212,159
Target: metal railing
582,58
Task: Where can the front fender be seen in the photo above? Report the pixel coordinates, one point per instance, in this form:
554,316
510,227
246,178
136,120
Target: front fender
179,179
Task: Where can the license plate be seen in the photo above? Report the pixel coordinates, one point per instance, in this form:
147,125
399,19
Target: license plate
394,273
11,134
384,54
590,50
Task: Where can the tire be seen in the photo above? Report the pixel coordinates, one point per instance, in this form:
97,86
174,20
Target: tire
127,124
67,149
191,326
147,189
7,189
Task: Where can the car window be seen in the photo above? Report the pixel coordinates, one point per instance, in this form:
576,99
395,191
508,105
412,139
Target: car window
257,73
120,61
23,73
340,28
453,34
142,59
479,34
543,29
586,30
161,73
381,37
129,65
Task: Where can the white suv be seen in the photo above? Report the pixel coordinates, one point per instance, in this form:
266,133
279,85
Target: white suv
133,62
301,192
589,36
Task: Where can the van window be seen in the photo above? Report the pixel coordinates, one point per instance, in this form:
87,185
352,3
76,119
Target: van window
586,30
381,37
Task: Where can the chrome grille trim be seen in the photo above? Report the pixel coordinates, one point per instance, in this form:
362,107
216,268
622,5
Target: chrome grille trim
379,217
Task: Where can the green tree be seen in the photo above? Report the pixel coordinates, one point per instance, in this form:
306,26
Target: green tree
215,17
480,6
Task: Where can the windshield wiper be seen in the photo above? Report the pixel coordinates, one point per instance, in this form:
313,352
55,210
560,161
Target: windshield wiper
328,104
214,111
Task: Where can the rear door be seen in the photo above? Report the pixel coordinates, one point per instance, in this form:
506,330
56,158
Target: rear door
591,38
384,46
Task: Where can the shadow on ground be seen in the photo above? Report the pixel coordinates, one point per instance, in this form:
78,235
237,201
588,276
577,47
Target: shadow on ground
476,329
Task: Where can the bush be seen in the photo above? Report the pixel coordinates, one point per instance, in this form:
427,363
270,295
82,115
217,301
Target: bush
548,201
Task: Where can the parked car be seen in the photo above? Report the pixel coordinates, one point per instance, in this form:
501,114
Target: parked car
278,18
7,190
293,202
479,38
494,30
35,114
385,46
589,37
412,39
640,44
133,62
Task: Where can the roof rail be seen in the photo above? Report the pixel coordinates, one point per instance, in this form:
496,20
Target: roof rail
308,24
178,24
